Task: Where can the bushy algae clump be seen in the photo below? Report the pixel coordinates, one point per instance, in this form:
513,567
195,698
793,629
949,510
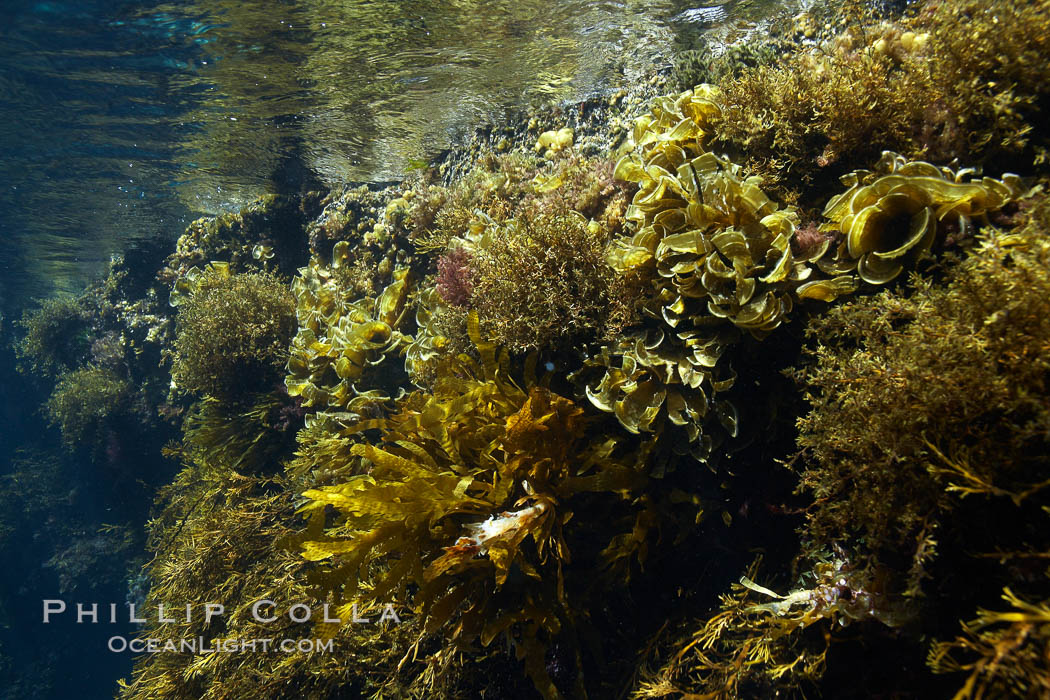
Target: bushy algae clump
55,336
85,402
709,263
233,331
95,357
520,241
934,461
947,395
542,281
962,80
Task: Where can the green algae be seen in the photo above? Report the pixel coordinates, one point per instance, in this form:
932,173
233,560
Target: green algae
84,402
889,218
55,336
232,332
340,340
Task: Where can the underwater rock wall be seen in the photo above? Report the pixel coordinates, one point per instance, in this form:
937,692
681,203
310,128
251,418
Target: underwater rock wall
598,390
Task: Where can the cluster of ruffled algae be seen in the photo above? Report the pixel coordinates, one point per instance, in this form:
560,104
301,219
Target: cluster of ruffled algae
721,259
518,397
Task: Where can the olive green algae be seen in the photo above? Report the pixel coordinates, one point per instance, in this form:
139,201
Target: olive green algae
745,383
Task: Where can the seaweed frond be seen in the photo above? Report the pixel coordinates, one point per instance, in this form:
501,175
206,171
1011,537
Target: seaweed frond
1003,653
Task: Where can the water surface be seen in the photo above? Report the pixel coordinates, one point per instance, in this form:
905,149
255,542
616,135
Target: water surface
122,122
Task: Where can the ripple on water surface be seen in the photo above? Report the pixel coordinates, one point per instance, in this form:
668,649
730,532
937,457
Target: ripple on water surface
121,122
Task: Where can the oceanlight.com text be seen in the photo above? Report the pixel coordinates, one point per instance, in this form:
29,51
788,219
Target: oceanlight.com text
200,645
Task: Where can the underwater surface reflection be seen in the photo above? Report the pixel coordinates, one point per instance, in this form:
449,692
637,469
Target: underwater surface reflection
120,122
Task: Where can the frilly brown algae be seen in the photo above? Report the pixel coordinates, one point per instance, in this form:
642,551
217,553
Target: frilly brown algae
890,217
340,339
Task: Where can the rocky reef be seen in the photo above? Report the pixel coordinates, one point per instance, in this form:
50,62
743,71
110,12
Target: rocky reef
745,384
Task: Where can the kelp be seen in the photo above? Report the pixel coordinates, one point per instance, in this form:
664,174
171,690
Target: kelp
719,245
221,537
340,340
721,258
770,644
504,512
889,218
431,343
1003,653
463,509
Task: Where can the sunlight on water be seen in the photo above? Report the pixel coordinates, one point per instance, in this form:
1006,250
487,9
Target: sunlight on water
123,125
